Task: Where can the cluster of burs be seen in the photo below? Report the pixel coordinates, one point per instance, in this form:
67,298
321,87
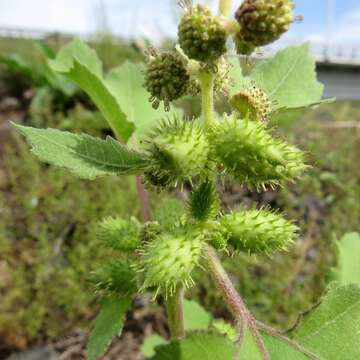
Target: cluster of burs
160,255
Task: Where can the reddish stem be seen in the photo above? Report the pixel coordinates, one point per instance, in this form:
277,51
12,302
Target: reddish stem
232,298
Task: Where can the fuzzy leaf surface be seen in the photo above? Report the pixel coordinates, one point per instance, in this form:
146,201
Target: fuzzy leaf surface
126,83
237,75
332,330
289,78
197,345
347,270
81,64
210,346
85,156
150,343
17,64
277,349
195,316
107,325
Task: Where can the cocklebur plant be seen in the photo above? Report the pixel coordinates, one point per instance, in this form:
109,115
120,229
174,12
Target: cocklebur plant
165,150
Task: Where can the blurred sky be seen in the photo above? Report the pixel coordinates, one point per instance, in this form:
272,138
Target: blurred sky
157,18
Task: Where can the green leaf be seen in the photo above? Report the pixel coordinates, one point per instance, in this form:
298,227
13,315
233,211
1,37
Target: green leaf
80,63
18,65
196,346
347,270
195,316
289,78
332,330
126,83
236,74
107,325
150,343
84,155
277,349
210,346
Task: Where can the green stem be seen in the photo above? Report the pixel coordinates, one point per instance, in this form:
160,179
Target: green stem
225,7
207,97
174,307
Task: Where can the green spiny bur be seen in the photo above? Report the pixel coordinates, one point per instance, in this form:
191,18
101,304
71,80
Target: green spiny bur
259,231
262,22
201,35
168,261
179,151
252,156
119,234
115,276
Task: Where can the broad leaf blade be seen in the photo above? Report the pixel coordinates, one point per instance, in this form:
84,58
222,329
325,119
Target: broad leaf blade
236,74
107,325
278,350
332,330
150,343
126,83
347,270
289,78
84,155
210,346
80,63
18,65
198,345
195,316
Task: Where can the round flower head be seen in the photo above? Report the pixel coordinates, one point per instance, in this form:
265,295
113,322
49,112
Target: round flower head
252,102
263,21
166,78
201,35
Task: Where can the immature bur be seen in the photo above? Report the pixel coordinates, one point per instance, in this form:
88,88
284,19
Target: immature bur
262,22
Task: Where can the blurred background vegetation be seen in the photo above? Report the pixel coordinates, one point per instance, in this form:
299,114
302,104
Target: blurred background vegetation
47,217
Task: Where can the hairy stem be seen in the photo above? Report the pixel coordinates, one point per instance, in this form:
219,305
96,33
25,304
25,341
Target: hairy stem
174,307
225,7
143,199
231,297
207,97
223,283
295,345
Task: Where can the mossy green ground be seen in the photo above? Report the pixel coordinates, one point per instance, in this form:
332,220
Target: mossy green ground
48,245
